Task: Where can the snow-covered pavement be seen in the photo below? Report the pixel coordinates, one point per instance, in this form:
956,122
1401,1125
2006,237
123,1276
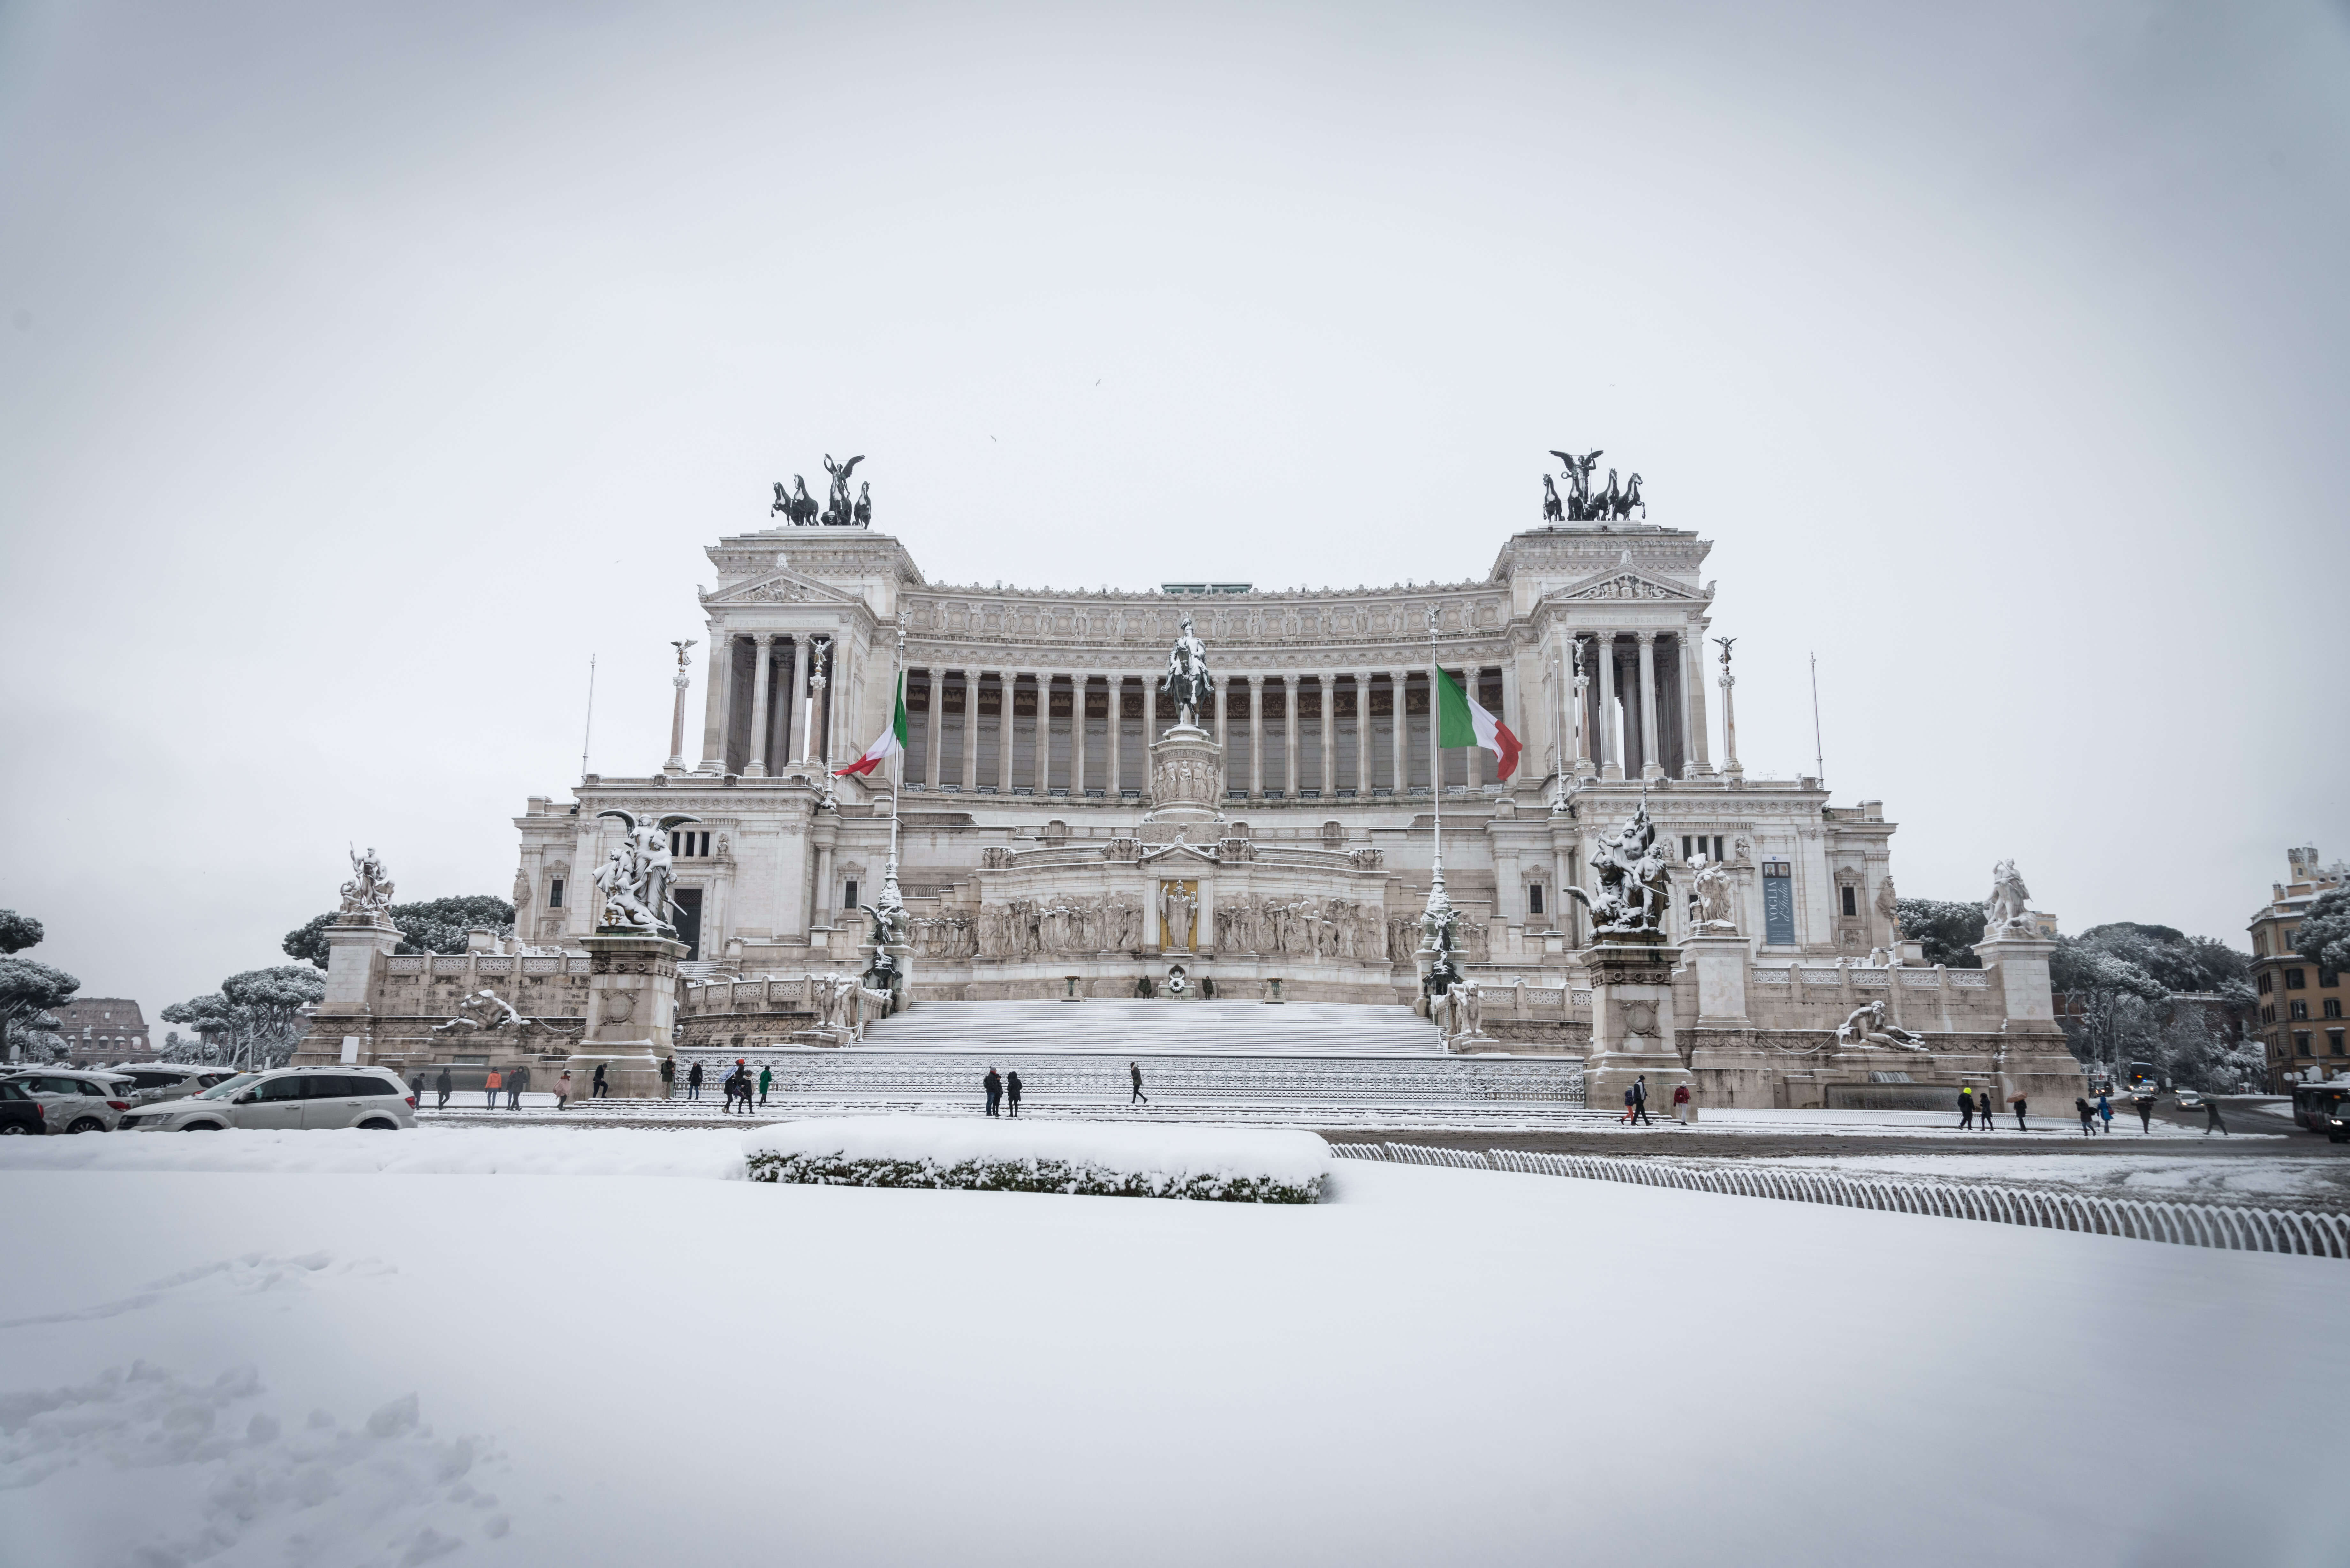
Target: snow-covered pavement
1435,1366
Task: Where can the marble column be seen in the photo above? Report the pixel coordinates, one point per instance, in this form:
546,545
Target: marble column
1398,737
1007,686
969,779
1363,734
1651,764
1693,721
1150,722
1078,683
1327,685
1256,737
718,674
1289,770
1472,678
761,673
799,691
1611,760
1044,781
934,699
1115,688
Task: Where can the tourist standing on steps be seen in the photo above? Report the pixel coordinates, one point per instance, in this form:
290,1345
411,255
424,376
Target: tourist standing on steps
602,1088
440,1085
994,1087
766,1076
2211,1119
1640,1102
490,1087
1012,1089
669,1076
693,1082
1134,1071
516,1082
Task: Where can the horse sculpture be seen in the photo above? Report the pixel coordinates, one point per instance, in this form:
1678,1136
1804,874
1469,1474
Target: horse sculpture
799,508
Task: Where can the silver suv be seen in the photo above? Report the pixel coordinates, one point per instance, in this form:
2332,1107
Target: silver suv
286,1098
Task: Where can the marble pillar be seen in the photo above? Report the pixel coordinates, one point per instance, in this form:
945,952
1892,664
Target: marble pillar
1256,737
761,670
969,779
800,694
717,673
1611,760
1651,764
1289,704
934,699
1398,736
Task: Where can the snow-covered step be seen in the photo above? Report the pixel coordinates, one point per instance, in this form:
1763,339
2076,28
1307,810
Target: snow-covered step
1191,1027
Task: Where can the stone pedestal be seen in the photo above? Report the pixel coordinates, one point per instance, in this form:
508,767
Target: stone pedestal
2034,1056
1632,1023
342,1028
1721,962
1187,780
631,1015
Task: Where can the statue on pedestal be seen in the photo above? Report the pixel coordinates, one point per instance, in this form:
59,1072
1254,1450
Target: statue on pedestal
1867,1026
368,892
636,879
1712,899
1187,684
1630,898
797,506
2007,911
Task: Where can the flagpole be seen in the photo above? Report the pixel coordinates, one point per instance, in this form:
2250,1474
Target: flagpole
1435,745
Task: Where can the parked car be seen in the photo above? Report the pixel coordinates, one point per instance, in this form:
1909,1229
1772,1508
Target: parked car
77,1100
153,1081
19,1112
286,1098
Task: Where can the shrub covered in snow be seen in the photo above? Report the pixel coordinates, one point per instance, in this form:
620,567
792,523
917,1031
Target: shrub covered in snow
1229,1164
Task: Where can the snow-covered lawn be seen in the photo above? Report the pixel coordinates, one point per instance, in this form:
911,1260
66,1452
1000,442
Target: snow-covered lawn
1434,1366
2123,1173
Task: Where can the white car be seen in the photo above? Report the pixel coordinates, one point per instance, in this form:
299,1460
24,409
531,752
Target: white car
154,1081
286,1098
74,1100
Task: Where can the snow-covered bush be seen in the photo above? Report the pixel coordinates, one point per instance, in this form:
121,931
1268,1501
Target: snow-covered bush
1227,1165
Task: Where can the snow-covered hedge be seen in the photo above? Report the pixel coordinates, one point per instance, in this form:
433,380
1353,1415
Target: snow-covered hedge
1228,1165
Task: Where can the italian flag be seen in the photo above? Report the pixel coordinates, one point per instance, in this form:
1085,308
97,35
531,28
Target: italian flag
1462,721
892,742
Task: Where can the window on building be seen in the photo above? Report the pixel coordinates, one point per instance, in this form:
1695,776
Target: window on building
2297,979
689,844
848,895
2297,1010
1851,901
2264,982
555,893
2301,1044
2259,944
2268,1012
2327,978
2333,1044
2333,1007
1534,907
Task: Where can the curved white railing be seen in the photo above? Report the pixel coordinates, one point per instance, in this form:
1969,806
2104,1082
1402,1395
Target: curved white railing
2237,1229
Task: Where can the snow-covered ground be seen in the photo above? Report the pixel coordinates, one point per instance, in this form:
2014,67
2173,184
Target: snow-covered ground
314,1362
2124,1173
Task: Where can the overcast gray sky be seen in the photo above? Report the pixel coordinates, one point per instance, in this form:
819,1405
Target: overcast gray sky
362,370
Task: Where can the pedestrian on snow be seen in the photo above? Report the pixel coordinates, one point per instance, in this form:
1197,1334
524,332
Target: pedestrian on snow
441,1086
1628,1108
2211,1119
1012,1089
1680,1102
726,1084
1134,1071
2018,1101
2145,1113
693,1082
516,1082
601,1089
669,1076
1641,1101
2105,1112
1966,1108
416,1089
2088,1113
490,1087
563,1091
994,1085
766,1076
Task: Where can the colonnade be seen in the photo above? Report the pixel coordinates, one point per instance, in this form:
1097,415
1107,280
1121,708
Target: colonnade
760,721
1643,712
1088,732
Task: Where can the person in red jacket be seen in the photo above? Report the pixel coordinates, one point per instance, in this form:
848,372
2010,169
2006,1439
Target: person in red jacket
1680,1102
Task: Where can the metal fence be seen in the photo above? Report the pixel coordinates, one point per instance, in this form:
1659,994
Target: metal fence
2237,1229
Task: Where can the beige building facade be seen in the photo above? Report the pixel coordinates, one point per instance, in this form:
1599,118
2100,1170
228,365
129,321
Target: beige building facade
2301,1005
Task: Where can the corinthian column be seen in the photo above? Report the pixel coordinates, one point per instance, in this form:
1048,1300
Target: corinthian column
934,698
1611,760
1398,737
1289,737
1694,725
1363,734
718,671
1116,708
969,779
1256,737
1327,685
1650,767
800,694
765,643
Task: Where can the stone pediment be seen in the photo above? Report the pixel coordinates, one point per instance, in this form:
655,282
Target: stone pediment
1629,582
781,587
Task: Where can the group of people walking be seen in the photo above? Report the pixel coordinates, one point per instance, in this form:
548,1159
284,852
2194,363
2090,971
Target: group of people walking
493,1083
1003,1090
1636,1103
1975,1107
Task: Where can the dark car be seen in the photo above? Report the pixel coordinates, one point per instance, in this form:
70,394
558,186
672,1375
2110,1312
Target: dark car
19,1112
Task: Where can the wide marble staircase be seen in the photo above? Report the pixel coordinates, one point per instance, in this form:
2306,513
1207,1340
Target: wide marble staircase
1195,1028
